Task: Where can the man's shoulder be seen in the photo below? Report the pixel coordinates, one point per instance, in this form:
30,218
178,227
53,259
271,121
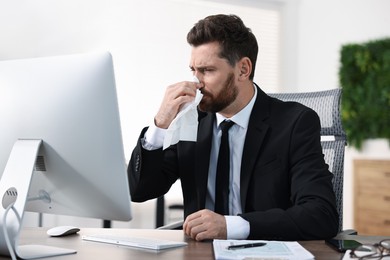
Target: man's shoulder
289,106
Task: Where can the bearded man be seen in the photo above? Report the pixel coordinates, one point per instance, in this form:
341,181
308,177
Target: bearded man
278,185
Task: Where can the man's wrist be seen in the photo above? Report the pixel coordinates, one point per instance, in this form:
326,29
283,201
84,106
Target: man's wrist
153,138
237,227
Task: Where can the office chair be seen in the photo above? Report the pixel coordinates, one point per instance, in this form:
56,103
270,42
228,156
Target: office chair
333,138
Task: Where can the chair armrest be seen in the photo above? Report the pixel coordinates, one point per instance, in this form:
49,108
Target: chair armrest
173,225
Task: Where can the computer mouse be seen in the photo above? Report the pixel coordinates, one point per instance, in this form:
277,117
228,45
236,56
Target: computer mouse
61,231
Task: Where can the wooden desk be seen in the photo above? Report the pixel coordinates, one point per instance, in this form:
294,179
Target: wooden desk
96,251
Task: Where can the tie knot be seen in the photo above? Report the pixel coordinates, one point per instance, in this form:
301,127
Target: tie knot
225,125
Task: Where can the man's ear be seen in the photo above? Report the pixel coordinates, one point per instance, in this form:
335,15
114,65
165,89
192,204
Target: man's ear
244,67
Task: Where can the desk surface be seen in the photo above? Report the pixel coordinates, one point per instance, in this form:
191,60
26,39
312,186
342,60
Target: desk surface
94,250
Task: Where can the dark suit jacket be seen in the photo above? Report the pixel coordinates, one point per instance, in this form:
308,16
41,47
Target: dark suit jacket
286,189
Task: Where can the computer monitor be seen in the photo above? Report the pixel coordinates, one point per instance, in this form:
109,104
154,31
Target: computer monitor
61,149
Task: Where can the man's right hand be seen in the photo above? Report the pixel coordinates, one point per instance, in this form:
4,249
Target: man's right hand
175,97
205,224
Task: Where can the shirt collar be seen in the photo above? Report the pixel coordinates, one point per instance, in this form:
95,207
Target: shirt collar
242,117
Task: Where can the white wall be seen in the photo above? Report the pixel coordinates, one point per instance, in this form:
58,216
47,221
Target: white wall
325,25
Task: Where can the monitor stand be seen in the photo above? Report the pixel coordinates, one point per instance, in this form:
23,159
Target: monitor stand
14,186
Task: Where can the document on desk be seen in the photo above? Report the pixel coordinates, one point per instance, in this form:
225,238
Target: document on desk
272,250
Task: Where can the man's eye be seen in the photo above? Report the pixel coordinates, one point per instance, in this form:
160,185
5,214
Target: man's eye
201,70
206,70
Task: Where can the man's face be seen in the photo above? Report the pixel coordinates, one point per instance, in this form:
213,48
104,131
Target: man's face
217,76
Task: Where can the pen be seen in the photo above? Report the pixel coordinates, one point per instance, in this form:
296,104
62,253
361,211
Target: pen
246,246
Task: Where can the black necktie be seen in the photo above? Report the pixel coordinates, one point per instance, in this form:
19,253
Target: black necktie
223,171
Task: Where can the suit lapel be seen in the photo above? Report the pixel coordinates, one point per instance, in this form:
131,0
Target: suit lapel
203,148
255,135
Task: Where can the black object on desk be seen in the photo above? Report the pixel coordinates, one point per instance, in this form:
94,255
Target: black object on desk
242,246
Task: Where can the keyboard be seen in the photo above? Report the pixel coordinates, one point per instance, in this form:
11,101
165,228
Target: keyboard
138,242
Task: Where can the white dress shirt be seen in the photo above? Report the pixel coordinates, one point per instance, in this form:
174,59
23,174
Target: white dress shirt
237,227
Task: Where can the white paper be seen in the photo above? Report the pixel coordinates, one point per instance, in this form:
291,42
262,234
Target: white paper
273,250
185,125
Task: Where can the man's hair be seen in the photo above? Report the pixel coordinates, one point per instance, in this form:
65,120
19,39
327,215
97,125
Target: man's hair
236,40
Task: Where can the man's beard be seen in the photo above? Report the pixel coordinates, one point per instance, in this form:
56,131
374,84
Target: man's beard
223,99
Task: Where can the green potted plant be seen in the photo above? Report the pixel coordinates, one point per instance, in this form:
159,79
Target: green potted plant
365,79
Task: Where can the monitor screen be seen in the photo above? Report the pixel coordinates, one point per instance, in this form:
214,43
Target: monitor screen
69,104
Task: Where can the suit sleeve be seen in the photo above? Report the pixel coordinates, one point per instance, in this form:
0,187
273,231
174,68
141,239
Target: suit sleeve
148,175
312,213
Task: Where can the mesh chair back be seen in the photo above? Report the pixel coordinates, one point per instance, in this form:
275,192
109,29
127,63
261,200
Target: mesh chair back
327,105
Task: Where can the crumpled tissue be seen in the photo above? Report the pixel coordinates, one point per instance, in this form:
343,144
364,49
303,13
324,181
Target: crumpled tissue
185,125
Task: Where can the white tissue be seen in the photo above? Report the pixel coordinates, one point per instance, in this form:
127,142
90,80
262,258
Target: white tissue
185,125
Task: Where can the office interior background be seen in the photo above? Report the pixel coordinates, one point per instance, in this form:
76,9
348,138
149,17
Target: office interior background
299,40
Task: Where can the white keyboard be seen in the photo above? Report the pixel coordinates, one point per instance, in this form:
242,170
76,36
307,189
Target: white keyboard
139,242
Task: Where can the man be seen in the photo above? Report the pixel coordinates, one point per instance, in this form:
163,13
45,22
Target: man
279,188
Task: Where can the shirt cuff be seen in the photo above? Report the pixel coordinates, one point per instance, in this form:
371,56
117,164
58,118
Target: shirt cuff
237,227
153,138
